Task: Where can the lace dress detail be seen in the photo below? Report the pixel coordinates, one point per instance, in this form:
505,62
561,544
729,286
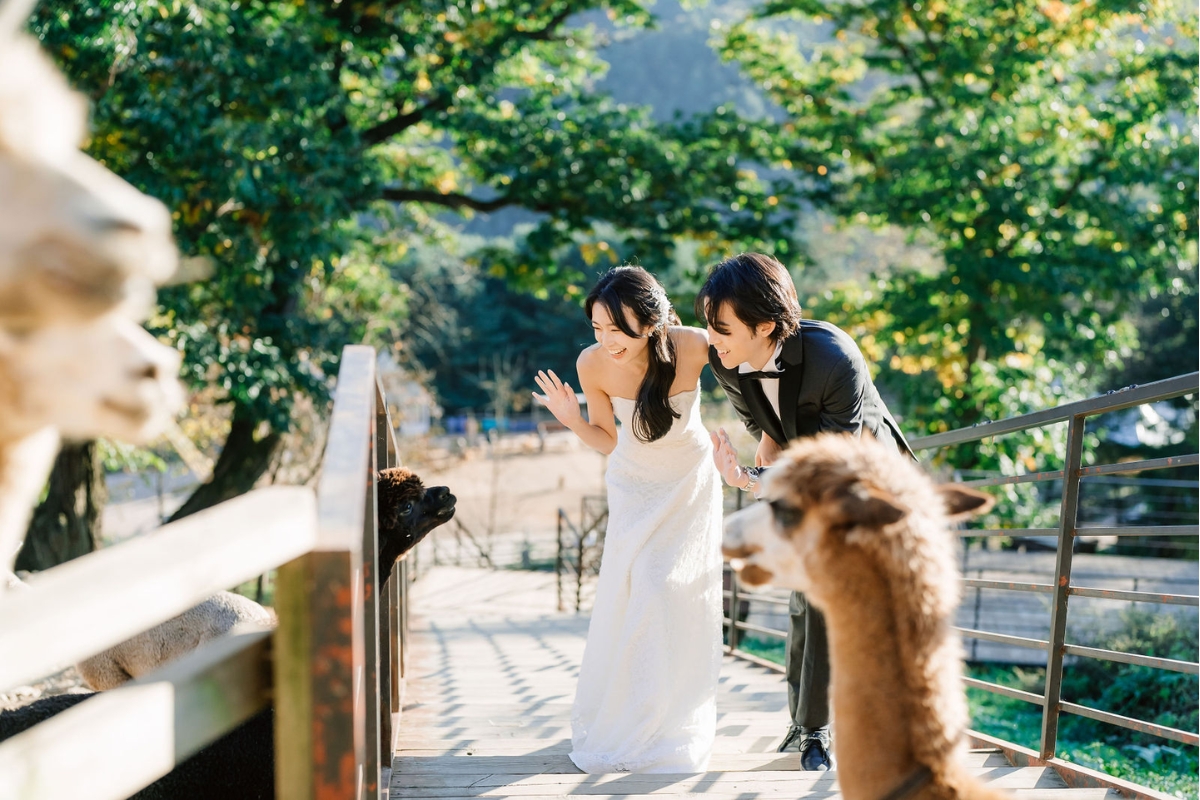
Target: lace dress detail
646,700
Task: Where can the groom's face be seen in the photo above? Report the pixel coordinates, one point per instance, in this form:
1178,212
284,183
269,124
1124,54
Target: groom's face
736,342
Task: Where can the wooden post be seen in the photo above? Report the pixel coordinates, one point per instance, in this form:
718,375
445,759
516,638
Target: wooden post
320,654
402,601
396,639
370,600
319,738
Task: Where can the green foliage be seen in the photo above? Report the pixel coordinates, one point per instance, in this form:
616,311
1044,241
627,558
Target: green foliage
300,143
1165,698
1048,153
770,649
222,111
474,329
123,457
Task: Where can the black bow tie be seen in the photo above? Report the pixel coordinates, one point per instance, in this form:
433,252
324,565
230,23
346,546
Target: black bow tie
761,375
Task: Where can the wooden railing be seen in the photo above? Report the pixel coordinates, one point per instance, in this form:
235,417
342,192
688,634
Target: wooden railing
1056,647
334,681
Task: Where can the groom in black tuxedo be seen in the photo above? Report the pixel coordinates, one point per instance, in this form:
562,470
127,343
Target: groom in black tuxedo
787,378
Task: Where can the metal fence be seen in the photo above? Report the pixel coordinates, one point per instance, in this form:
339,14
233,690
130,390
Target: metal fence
579,549
1058,651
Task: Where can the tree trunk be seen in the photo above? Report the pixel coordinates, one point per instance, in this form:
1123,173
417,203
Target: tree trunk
66,524
243,461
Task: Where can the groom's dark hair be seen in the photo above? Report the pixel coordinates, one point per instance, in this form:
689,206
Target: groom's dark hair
757,288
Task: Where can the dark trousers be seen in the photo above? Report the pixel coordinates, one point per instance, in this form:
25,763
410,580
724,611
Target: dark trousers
807,665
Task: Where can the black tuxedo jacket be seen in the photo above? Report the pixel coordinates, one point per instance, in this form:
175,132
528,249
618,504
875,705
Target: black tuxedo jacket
825,387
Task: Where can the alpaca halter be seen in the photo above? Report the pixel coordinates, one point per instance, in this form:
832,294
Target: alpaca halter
917,780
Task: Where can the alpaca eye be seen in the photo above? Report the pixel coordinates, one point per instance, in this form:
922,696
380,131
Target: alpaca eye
786,516
407,509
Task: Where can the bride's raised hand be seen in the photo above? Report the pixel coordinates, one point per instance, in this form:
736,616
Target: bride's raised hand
559,397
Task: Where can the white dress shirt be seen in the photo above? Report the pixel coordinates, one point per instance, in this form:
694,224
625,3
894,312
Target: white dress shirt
770,386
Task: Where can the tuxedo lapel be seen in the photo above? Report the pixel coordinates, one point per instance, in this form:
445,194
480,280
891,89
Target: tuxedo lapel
792,357
760,408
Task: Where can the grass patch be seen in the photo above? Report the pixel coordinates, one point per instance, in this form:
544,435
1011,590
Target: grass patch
1164,698
773,650
1162,765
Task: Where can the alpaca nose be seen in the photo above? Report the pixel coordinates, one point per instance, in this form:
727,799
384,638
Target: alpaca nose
438,493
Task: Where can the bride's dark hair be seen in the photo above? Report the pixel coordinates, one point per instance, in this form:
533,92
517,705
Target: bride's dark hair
636,289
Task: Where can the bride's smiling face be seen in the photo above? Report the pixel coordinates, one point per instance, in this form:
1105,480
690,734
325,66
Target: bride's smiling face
620,346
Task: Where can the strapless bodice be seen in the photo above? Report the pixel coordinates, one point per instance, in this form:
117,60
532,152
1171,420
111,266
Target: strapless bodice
686,404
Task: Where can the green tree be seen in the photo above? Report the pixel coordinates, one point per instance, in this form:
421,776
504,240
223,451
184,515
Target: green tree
1047,151
296,140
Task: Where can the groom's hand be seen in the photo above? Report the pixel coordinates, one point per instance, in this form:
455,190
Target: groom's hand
768,452
725,458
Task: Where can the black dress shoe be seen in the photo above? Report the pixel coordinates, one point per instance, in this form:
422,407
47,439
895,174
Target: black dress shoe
791,741
814,751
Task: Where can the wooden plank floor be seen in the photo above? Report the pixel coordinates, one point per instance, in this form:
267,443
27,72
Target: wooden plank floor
487,709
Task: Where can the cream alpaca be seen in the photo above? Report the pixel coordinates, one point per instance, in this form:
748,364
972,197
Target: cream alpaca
863,532
80,250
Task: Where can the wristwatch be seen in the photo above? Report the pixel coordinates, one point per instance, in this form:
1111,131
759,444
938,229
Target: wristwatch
752,473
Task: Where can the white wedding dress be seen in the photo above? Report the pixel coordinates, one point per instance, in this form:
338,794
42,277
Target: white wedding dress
646,700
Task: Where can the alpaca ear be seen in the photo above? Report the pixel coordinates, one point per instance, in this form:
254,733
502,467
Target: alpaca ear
962,502
871,509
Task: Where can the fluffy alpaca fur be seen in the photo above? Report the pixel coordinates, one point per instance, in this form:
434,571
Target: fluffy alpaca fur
176,637
407,512
863,532
100,377
80,252
75,240
240,765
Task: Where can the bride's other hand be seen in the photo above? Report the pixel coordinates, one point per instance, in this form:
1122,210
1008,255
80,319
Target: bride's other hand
768,452
725,458
559,397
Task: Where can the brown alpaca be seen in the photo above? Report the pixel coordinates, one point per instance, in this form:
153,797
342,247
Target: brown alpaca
863,532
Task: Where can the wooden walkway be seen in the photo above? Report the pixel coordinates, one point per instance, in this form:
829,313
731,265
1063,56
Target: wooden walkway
486,712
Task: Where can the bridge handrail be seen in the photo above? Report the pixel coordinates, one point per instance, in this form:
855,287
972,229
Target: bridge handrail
336,684
123,739
96,601
1101,404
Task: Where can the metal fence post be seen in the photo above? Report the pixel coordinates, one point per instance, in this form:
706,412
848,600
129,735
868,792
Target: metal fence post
579,574
385,622
558,563
733,611
1062,585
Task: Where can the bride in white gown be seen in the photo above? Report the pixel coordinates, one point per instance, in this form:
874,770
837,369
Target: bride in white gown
646,699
